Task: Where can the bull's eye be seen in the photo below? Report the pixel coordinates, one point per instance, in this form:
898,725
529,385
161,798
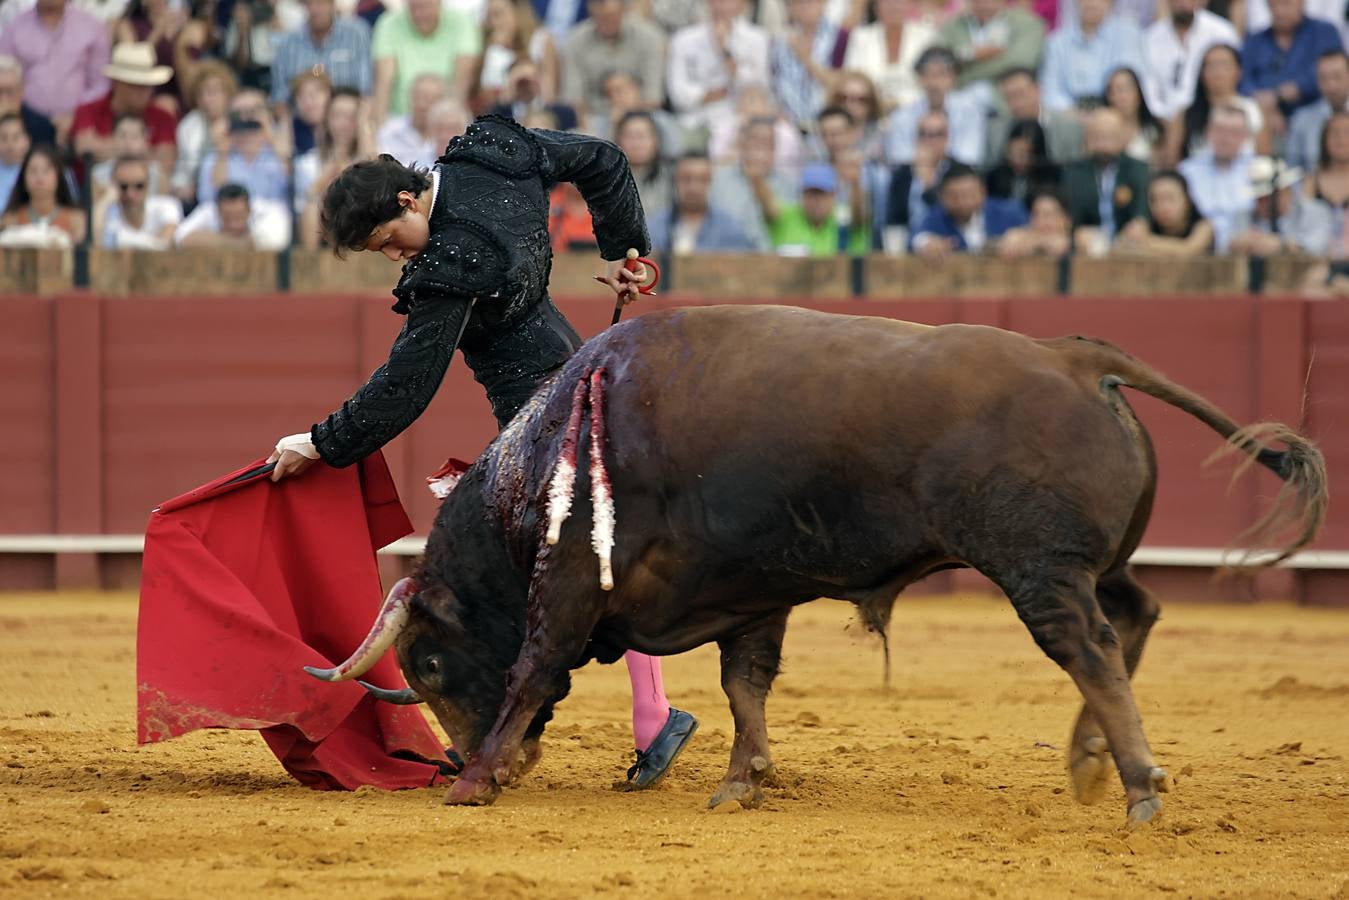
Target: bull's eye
431,671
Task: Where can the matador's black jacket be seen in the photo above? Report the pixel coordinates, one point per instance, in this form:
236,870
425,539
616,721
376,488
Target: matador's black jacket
481,283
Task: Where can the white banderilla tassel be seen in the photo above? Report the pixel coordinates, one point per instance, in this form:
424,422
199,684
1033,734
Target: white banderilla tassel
564,475
601,496
559,499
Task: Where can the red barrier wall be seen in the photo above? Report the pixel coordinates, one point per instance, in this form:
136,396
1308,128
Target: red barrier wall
114,404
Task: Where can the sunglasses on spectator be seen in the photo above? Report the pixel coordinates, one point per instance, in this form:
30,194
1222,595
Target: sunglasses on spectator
932,134
131,185
855,98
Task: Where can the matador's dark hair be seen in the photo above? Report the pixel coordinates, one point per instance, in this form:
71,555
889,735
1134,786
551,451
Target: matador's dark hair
364,197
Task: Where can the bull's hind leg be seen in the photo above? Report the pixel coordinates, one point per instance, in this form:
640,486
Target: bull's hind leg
1132,611
749,663
1066,620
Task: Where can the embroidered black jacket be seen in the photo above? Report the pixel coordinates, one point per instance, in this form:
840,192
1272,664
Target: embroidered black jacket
481,283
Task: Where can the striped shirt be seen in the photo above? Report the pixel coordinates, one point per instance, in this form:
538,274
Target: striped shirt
344,55
801,96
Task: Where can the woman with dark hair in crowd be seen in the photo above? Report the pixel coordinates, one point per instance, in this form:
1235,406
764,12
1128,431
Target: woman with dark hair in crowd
1173,226
638,136
856,92
310,92
42,197
1124,94
1049,231
1318,221
344,138
250,41
1025,168
1219,77
196,39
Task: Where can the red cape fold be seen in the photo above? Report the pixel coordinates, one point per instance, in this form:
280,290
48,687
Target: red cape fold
243,583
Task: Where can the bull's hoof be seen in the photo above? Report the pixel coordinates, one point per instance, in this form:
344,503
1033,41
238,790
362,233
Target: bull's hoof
472,792
1090,767
747,794
1144,812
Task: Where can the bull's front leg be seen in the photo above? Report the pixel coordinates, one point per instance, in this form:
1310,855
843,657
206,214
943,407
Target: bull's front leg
749,663
562,613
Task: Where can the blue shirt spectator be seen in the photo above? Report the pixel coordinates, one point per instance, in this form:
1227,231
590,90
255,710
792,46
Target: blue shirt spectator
965,219
965,122
14,146
717,231
9,176
261,172
338,47
1281,60
694,224
1303,146
965,115
1080,57
1219,178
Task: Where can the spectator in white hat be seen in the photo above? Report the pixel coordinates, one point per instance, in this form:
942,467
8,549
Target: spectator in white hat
134,76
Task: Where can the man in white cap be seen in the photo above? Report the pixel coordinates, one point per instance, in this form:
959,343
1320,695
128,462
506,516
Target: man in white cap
134,76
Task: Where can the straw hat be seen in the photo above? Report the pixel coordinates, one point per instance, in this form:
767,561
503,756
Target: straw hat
134,63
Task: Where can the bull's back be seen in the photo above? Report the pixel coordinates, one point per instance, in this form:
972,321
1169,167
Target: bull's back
768,427
798,373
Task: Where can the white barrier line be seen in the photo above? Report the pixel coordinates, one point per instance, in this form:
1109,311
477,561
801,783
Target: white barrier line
1193,557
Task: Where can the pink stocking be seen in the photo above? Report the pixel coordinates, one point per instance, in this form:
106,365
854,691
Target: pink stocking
650,709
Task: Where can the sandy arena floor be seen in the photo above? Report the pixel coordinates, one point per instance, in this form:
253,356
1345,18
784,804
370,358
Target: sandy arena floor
949,785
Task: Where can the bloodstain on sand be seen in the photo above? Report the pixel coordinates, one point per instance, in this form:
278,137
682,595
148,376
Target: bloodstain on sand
950,784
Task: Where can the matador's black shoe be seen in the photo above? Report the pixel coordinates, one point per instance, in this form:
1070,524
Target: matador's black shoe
656,760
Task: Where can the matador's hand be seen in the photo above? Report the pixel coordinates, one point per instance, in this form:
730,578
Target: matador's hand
292,456
624,282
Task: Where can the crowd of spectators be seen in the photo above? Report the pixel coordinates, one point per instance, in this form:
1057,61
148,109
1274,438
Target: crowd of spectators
796,127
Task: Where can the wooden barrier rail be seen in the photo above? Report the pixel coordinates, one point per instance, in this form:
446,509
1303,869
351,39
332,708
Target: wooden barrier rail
118,401
222,272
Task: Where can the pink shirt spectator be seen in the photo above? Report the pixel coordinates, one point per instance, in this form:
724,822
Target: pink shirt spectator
62,67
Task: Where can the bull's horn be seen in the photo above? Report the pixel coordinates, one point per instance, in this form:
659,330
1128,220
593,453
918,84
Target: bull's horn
404,697
393,615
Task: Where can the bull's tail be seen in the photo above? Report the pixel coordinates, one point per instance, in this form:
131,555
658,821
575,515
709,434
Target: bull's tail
1296,514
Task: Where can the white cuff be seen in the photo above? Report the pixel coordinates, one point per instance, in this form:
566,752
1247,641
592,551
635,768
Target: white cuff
300,443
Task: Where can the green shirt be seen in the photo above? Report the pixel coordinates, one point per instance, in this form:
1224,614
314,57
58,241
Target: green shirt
396,37
792,230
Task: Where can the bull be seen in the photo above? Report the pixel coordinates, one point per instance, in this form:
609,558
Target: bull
757,458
